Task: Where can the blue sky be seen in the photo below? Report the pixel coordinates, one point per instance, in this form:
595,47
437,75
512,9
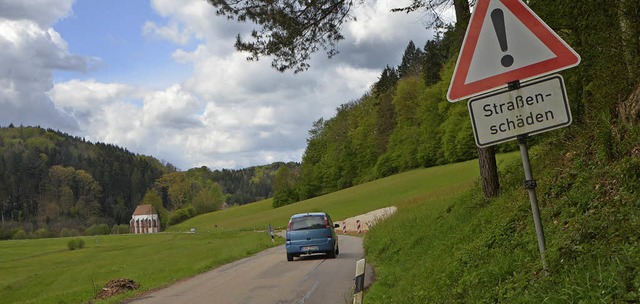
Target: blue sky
111,31
162,78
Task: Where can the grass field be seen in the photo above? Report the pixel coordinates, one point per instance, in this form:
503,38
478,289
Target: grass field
46,271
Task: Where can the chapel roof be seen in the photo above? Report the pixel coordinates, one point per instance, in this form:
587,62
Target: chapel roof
144,210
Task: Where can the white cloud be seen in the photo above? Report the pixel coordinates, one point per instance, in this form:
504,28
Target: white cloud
173,108
265,116
43,12
229,113
29,53
172,32
78,95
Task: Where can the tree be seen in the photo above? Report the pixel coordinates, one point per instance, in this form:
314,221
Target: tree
410,64
88,191
208,200
436,53
291,29
294,29
387,80
284,187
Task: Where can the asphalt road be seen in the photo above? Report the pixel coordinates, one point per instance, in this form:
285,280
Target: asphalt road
268,278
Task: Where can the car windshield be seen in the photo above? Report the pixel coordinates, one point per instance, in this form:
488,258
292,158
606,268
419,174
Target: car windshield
307,222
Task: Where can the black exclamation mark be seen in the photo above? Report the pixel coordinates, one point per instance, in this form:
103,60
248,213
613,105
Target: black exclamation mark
497,17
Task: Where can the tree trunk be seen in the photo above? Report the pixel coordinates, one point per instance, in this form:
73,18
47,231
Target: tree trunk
488,172
463,15
629,110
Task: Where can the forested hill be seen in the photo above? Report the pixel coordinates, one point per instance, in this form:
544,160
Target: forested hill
405,121
53,182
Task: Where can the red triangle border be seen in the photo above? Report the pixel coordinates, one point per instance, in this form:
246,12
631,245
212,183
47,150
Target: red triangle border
565,56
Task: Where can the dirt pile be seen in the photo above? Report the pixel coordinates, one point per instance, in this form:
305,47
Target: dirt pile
117,286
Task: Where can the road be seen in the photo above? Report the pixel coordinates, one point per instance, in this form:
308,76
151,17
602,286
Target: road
267,277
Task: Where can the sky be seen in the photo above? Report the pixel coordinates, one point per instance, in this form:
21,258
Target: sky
162,77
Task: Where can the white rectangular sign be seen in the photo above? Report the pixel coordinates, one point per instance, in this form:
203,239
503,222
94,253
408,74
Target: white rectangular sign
536,107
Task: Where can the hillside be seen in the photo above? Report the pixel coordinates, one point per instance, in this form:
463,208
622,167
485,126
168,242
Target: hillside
474,250
54,184
51,180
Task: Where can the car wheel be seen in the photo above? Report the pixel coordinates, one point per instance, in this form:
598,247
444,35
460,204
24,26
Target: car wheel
289,257
331,254
337,250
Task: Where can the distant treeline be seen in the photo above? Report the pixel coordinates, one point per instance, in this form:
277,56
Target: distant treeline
56,184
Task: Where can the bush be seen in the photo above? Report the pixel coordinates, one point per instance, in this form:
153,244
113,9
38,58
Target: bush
42,233
120,229
66,232
181,215
76,243
20,235
98,229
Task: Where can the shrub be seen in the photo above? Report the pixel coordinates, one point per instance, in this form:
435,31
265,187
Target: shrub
76,243
182,214
98,229
120,229
20,235
42,233
66,232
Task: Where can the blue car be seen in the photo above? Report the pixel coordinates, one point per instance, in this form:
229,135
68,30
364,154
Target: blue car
309,233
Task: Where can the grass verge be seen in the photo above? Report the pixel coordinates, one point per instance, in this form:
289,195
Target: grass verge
466,249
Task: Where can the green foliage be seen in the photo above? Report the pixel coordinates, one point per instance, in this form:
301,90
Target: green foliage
387,81
469,250
120,229
57,181
457,137
247,185
98,229
411,64
208,200
42,233
290,32
284,187
66,232
181,215
20,235
76,243
404,124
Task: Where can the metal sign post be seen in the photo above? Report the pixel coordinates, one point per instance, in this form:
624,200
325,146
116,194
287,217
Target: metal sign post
530,185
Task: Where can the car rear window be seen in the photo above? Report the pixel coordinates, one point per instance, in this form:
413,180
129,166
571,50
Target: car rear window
307,222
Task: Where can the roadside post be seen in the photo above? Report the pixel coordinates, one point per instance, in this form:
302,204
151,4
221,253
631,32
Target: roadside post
271,233
359,282
506,43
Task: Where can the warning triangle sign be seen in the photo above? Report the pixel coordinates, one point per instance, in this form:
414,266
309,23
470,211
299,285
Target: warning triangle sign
506,41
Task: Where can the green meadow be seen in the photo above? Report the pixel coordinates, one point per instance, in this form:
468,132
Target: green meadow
46,271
